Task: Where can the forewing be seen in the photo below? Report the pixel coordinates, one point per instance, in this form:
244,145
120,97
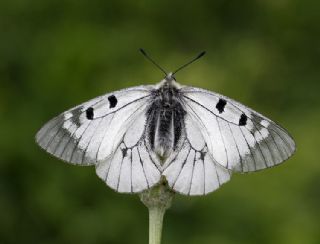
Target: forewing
191,170
238,138
91,131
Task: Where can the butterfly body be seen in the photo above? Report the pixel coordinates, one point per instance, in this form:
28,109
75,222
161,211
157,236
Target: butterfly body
192,137
165,118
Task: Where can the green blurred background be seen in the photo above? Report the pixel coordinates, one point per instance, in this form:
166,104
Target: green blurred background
55,54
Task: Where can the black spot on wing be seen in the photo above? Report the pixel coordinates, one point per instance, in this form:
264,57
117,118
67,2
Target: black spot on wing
202,155
124,152
89,113
220,105
113,101
243,120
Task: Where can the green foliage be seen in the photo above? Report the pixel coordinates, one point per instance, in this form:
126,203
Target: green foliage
55,54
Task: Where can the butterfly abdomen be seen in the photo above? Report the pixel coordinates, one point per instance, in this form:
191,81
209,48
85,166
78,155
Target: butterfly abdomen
165,122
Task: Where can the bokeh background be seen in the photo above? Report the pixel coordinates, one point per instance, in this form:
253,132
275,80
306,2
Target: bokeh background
55,54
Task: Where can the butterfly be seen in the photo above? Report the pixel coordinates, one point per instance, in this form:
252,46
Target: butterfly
193,138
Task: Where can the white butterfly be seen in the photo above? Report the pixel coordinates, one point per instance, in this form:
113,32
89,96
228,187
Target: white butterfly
193,137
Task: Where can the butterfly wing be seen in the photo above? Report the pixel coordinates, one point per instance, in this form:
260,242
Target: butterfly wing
238,138
133,167
191,170
91,132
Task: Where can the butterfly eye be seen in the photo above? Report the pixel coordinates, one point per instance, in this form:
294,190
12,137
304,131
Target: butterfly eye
89,113
243,120
113,101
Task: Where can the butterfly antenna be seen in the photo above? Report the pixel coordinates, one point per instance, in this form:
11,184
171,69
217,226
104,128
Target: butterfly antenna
190,62
152,61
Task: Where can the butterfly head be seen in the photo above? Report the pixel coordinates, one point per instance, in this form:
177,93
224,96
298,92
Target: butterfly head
169,78
168,81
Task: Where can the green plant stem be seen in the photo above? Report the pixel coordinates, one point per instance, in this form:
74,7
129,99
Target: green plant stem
157,199
155,224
